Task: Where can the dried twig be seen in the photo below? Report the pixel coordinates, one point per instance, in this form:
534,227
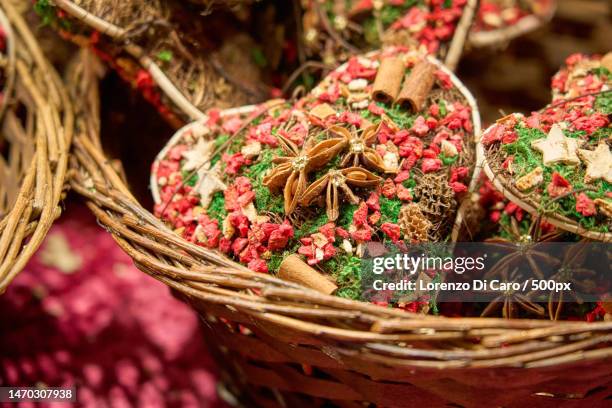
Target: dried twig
461,33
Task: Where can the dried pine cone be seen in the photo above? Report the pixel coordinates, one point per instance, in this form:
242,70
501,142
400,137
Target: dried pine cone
413,224
436,200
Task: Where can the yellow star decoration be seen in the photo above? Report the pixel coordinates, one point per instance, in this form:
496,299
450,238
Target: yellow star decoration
557,148
598,162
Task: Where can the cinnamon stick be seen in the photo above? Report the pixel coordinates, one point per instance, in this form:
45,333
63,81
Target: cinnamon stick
388,80
417,86
293,269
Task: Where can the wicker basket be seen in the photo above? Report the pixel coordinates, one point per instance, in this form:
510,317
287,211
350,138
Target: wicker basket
189,83
527,24
281,345
315,11
37,128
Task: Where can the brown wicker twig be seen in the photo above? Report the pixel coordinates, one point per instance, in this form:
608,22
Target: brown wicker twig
34,173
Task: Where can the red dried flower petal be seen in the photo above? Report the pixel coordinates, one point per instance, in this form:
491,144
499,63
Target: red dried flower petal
373,201
388,188
258,265
558,185
360,216
420,127
585,206
430,165
458,187
403,193
391,230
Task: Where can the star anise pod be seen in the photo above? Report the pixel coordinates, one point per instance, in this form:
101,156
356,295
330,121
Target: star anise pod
510,301
359,148
292,170
581,279
334,182
524,246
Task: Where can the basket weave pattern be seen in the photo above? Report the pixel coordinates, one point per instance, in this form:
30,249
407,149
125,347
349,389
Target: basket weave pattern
37,127
280,344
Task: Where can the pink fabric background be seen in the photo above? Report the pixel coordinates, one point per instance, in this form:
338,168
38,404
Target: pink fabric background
81,314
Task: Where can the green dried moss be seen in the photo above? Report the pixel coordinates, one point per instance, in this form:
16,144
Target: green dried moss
48,15
447,161
216,208
525,158
603,102
346,270
389,209
398,115
191,181
311,226
264,199
346,215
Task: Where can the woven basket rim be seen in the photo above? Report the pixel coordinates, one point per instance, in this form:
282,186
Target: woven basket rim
527,24
501,184
25,225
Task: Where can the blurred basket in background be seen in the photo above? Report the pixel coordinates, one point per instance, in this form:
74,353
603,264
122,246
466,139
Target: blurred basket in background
165,51
497,22
335,30
37,127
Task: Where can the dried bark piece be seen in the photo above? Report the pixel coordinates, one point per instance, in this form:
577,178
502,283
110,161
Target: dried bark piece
530,180
388,80
413,223
558,148
322,111
604,206
598,162
292,170
417,86
293,269
251,149
334,182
